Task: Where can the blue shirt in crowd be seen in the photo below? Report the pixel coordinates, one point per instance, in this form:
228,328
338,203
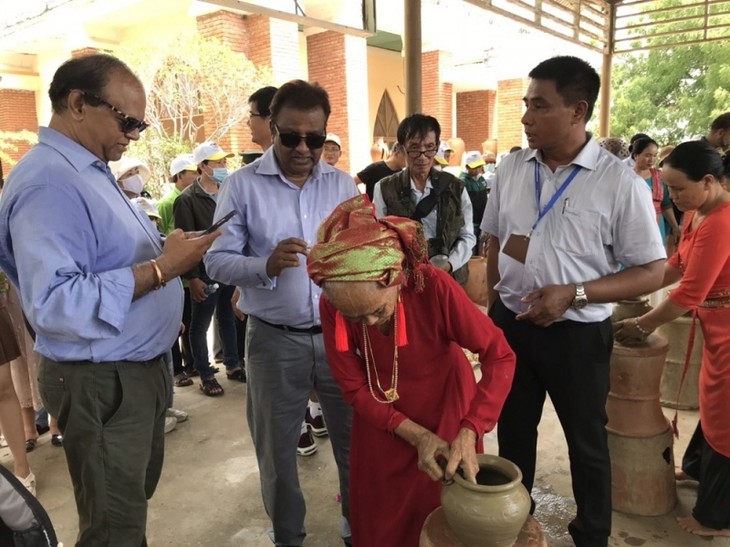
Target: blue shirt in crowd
270,209
68,240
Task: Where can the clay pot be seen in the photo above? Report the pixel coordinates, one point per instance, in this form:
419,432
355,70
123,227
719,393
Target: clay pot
633,401
476,284
677,332
378,150
491,513
642,473
635,307
490,145
459,148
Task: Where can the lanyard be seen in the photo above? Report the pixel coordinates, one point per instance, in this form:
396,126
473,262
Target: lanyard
555,197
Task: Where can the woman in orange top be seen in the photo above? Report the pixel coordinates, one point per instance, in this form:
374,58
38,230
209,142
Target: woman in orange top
694,174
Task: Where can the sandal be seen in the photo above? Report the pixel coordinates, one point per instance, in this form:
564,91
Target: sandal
211,387
183,380
238,375
57,440
30,444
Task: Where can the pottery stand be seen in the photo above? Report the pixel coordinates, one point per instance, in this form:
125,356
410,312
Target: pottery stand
437,533
677,332
639,436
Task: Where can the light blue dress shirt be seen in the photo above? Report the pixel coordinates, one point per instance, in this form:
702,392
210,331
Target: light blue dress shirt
68,240
270,209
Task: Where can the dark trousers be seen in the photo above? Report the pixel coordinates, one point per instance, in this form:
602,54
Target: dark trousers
570,362
219,303
712,470
112,416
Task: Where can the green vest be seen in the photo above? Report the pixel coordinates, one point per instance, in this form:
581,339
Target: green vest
396,191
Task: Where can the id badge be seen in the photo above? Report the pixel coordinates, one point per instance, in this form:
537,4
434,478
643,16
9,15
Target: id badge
516,247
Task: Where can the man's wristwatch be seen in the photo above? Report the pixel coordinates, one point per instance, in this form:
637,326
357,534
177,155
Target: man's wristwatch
580,300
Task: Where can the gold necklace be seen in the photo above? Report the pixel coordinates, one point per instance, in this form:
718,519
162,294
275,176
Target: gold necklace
391,395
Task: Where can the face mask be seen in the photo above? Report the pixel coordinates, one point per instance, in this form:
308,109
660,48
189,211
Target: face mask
133,184
219,173
490,167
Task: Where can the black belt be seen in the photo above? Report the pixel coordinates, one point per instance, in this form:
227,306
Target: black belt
316,329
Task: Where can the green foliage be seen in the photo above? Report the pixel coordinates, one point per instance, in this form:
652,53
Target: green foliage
195,87
671,94
9,141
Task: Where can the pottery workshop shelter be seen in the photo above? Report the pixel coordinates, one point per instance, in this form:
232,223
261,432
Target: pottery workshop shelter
610,27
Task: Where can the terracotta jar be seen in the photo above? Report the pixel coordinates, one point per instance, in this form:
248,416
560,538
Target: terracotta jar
626,309
476,284
677,332
492,512
633,402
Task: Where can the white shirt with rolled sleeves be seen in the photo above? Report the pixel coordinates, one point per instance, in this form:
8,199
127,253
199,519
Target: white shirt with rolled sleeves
604,219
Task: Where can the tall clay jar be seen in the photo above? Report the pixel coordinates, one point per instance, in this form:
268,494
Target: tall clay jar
492,512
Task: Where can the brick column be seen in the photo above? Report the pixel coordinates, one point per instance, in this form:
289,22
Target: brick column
17,113
437,94
509,112
338,63
475,117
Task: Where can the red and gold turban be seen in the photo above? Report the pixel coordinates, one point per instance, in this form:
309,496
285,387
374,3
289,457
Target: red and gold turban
353,245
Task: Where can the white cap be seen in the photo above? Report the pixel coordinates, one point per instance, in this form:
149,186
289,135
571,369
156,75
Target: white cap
474,159
331,137
443,147
209,151
146,206
183,162
119,167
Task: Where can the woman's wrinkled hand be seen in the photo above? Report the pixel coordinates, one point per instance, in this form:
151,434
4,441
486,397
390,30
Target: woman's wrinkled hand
463,454
430,447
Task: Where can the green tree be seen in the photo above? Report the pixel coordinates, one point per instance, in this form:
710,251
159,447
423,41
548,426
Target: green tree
195,86
671,94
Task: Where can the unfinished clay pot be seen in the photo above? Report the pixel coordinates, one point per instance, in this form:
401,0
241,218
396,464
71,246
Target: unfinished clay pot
492,512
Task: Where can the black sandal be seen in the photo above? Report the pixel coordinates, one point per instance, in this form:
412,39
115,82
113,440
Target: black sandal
211,387
238,375
30,444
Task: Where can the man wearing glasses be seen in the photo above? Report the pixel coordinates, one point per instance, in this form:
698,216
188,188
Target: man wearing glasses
280,201
101,292
435,198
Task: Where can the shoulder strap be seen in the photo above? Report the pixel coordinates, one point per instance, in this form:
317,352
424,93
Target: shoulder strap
426,205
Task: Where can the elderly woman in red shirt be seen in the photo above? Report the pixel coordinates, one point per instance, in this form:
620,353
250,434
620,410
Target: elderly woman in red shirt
394,328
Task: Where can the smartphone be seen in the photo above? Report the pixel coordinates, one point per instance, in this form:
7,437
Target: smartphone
220,223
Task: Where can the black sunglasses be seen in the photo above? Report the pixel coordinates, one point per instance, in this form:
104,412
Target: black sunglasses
128,123
292,140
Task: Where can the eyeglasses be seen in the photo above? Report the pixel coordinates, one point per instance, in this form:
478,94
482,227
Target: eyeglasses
428,152
292,140
128,123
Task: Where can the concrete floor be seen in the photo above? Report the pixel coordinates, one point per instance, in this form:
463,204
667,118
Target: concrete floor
209,492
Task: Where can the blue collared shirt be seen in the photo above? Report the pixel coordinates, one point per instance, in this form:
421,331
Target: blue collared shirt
270,209
68,240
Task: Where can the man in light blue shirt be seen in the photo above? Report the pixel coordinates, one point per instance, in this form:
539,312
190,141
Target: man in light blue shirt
279,203
100,291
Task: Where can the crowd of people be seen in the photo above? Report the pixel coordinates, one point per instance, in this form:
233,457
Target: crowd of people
344,314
